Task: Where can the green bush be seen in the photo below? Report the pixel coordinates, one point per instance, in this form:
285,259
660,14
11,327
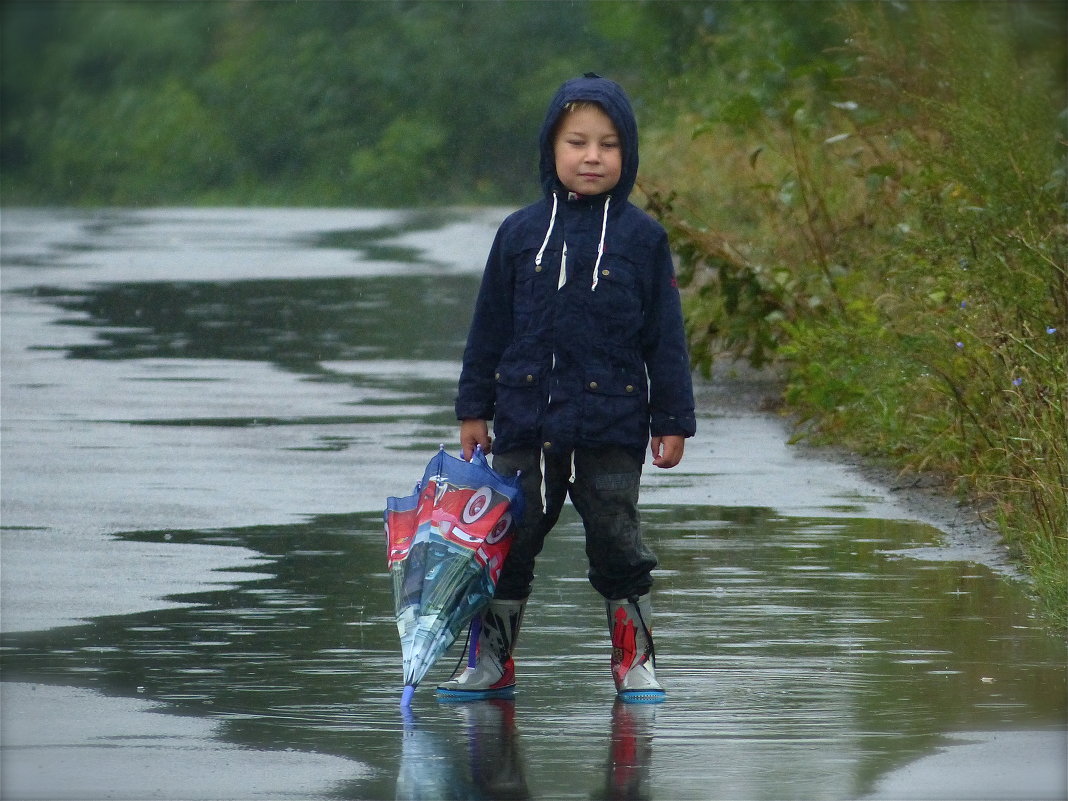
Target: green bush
897,239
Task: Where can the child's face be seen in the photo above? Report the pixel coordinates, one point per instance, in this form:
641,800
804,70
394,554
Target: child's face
589,155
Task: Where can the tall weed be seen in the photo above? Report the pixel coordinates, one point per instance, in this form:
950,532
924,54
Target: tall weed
891,227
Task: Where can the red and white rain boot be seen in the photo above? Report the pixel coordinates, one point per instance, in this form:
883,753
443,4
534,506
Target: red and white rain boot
493,673
633,656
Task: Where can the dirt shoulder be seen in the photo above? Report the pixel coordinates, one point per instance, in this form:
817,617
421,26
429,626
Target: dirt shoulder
738,388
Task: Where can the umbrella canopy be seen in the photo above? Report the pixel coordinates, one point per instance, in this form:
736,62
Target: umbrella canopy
446,544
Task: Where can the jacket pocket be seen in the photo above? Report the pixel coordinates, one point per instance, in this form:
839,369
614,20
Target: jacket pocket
616,303
615,408
520,401
535,285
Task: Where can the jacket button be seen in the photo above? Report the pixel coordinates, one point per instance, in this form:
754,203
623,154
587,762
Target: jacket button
546,445
537,269
497,376
630,387
593,385
530,379
606,272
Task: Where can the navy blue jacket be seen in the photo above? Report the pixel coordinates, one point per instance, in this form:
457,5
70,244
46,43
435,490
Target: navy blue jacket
601,358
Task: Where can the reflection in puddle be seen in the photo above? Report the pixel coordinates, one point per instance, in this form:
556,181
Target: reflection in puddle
804,683
630,751
294,323
482,756
481,759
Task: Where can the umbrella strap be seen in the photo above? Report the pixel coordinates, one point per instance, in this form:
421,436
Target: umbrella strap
473,633
470,647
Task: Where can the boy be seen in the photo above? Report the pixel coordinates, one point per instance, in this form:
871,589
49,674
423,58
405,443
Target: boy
577,353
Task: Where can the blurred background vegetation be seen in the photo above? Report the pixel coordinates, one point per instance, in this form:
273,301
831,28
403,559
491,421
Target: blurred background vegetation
869,197
304,103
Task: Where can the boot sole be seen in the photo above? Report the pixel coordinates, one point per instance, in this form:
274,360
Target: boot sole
642,696
475,695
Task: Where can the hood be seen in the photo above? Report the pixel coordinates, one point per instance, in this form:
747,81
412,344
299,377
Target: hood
611,97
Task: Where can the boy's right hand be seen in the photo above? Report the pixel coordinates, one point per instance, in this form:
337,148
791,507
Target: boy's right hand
473,433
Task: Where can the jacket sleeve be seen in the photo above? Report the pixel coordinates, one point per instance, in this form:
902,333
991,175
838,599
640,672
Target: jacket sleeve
667,361
489,335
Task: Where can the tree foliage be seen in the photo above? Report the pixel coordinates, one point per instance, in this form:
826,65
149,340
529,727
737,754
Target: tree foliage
327,103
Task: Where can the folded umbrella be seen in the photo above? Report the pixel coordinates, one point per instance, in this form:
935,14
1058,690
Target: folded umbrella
446,544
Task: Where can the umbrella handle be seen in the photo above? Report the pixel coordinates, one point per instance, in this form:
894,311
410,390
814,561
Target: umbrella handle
472,648
406,697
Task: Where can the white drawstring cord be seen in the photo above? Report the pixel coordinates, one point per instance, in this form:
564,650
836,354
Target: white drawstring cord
544,479
545,242
600,246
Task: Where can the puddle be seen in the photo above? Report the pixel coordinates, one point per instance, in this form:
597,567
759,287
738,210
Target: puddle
225,416
798,658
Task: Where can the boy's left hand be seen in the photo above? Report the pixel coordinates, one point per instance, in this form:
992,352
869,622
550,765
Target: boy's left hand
667,451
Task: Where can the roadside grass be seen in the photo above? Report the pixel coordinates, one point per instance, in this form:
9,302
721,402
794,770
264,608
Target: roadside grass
896,238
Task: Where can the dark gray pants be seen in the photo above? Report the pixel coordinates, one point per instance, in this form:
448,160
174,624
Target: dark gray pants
605,494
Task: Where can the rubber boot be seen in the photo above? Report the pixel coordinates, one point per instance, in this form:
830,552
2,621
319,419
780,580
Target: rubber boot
633,657
493,673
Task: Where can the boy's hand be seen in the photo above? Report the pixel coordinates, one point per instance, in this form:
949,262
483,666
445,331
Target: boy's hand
667,451
472,433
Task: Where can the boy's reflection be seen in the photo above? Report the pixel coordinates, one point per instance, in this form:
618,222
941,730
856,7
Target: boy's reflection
433,767
496,761
629,752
